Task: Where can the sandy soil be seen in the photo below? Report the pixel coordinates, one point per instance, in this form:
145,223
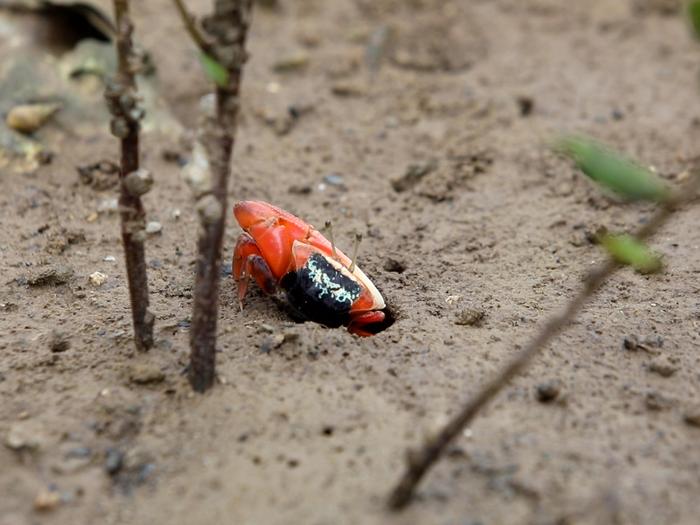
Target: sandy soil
314,430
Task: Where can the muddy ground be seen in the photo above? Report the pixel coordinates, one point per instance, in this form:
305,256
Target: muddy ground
308,424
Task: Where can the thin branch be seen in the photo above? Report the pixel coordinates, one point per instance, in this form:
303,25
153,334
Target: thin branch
228,26
420,461
122,102
191,26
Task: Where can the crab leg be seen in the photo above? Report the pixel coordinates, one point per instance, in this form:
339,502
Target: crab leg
247,262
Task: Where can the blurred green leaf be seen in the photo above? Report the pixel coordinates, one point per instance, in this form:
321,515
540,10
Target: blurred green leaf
694,16
614,171
626,249
214,70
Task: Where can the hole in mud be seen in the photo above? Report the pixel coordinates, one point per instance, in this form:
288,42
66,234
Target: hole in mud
394,265
60,27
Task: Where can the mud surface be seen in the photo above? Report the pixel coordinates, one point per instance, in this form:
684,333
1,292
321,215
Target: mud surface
433,143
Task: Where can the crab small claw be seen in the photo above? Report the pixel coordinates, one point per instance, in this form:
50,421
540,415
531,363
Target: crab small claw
366,318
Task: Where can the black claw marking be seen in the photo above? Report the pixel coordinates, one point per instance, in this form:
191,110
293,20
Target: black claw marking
320,292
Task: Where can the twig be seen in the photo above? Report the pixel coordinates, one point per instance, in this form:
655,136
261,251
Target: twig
191,27
420,461
122,102
228,29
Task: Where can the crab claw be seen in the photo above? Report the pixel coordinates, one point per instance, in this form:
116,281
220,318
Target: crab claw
279,250
359,322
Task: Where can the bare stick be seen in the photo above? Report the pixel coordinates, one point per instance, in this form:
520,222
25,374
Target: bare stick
228,28
122,102
191,27
419,461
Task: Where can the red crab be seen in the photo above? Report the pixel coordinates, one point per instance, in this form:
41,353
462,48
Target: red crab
321,284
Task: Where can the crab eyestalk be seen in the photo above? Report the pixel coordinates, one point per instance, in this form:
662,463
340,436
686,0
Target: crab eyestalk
329,229
355,251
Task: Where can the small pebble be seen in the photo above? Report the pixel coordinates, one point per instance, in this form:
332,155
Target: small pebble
470,317
617,114
58,341
549,391
299,189
175,214
271,343
138,182
108,206
273,87
153,227
114,461
657,401
53,276
25,435
293,62
275,341
525,105
28,118
145,472
413,175
394,265
110,258
348,89
633,343
79,452
298,110
47,500
146,373
97,278
630,342
663,367
692,416
334,179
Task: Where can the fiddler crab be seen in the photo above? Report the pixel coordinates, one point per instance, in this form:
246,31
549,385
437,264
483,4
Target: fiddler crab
320,283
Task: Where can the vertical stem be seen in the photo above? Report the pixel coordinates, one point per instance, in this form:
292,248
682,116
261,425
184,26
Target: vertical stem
219,140
228,27
121,97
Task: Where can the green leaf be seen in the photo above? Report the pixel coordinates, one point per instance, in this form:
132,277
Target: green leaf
626,249
694,16
214,70
613,171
